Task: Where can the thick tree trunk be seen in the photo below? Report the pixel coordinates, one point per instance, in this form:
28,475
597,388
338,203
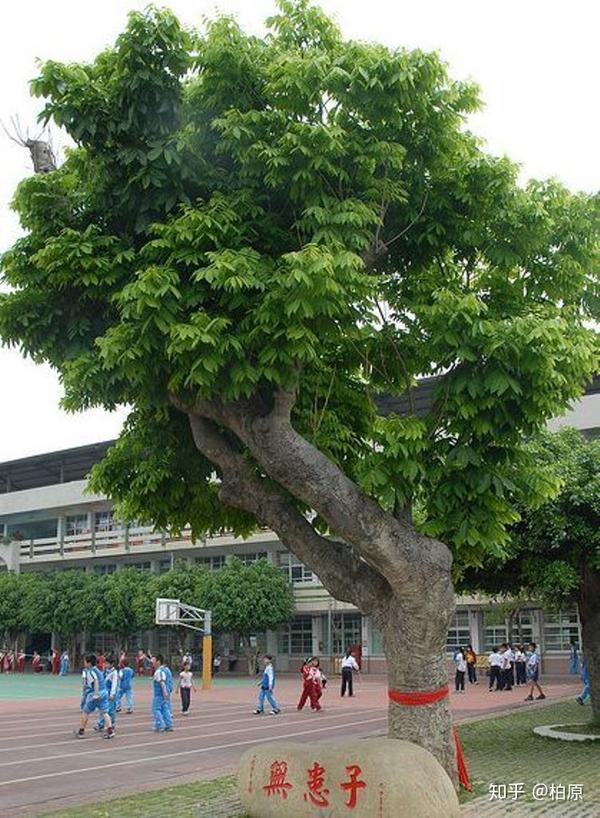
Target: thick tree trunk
371,559
414,637
589,612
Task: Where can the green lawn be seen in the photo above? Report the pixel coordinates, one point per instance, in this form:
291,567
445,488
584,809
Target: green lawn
500,751
506,751
206,798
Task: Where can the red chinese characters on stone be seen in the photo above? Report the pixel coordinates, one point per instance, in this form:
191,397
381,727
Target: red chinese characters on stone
277,784
317,792
353,785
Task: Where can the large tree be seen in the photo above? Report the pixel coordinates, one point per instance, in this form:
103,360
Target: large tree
554,550
253,239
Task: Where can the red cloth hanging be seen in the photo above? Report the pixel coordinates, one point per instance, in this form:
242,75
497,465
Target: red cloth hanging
417,698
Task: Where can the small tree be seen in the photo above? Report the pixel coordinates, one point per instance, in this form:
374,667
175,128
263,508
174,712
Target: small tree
116,611
554,551
72,605
183,582
17,593
246,600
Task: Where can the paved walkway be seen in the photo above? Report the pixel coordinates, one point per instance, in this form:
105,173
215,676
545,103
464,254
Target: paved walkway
42,767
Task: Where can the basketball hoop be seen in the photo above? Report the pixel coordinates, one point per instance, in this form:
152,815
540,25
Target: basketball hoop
173,612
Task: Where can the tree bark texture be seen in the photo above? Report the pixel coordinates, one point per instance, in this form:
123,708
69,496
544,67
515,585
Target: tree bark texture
589,613
370,558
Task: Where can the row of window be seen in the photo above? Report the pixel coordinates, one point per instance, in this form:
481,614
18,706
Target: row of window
560,630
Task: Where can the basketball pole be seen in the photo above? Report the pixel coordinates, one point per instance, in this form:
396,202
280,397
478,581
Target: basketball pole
207,653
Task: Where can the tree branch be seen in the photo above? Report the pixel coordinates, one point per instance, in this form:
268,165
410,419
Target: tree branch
393,547
343,574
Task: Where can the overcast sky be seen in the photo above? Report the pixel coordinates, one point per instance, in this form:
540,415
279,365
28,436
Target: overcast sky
537,63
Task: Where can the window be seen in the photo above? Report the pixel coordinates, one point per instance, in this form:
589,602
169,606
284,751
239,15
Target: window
106,521
34,530
296,638
76,524
295,570
164,566
459,632
560,629
214,563
346,630
250,559
104,569
141,566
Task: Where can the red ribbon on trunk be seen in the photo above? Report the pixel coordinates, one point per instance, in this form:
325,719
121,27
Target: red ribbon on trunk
417,698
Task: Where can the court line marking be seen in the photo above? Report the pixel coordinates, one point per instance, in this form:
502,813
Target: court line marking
184,724
152,743
187,752
72,718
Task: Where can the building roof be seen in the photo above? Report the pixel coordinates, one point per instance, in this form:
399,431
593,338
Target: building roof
51,468
74,464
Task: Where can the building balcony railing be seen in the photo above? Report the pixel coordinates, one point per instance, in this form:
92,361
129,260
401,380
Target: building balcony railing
131,539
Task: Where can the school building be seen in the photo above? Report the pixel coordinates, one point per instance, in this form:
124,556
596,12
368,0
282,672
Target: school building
49,522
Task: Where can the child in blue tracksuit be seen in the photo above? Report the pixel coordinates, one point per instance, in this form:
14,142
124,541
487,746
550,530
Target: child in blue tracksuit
111,679
586,693
126,675
94,697
162,683
266,684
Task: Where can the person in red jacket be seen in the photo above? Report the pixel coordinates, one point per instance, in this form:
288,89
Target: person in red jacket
101,662
306,682
21,662
55,663
36,662
318,682
139,662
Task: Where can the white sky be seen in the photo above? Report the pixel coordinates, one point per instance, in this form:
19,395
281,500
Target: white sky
537,63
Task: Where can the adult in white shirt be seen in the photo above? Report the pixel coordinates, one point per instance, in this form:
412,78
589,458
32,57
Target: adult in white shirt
495,661
349,666
505,667
461,668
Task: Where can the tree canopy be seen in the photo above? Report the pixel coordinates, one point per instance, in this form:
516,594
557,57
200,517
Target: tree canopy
253,240
553,541
241,215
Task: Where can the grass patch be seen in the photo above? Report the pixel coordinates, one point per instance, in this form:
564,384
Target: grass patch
505,750
201,798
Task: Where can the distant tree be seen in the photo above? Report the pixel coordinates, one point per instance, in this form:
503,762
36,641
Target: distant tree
115,603
16,594
246,600
554,552
187,583
256,238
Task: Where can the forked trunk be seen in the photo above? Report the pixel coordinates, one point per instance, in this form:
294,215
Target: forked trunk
414,643
589,612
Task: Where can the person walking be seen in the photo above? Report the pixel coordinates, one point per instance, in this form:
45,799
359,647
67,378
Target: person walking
349,666
162,687
126,675
460,663
306,683
267,684
318,682
471,658
185,686
495,662
139,662
586,693
574,659
533,673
